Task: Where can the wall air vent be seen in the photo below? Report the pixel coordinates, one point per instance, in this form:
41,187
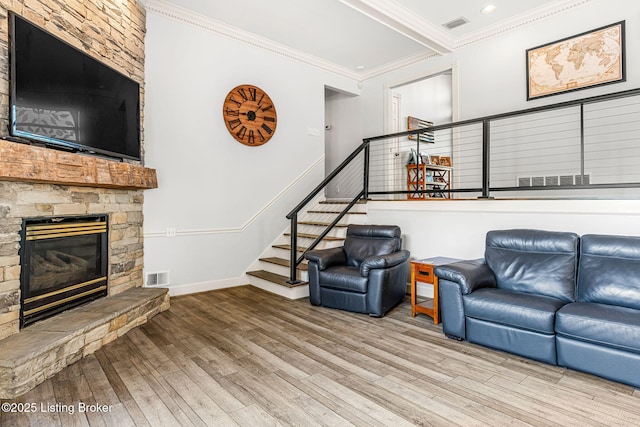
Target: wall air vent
160,278
455,23
553,180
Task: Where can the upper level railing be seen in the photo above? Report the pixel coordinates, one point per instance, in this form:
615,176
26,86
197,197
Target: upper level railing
584,148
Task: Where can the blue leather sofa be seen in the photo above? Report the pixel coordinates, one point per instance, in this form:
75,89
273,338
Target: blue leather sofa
551,296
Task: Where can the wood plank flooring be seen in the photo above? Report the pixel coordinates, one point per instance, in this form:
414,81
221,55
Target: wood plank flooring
242,356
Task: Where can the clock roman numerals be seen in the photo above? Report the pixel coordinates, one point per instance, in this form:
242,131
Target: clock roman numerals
243,94
235,101
242,132
234,123
249,115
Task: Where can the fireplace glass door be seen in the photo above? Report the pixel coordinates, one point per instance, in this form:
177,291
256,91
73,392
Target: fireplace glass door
64,264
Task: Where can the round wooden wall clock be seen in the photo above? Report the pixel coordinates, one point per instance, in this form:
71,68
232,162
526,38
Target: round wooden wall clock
249,115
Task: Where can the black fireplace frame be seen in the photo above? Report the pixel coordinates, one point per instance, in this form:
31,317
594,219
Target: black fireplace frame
79,295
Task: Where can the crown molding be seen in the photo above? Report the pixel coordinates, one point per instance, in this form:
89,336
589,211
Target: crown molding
517,21
187,16
387,12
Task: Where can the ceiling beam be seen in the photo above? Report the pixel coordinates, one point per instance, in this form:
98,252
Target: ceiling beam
405,22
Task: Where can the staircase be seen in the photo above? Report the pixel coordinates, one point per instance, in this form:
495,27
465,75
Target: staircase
271,271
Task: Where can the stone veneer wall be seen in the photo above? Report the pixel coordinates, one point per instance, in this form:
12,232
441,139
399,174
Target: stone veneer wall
113,32
24,200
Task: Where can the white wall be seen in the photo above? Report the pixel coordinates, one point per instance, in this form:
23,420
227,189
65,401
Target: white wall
458,228
226,201
428,99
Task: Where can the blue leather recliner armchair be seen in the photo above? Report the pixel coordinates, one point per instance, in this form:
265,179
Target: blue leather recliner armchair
366,275
551,296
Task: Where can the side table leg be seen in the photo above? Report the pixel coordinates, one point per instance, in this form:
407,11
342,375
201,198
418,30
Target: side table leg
413,291
436,300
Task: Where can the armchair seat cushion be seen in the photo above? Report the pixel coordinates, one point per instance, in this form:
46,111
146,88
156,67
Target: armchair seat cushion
344,278
602,324
516,309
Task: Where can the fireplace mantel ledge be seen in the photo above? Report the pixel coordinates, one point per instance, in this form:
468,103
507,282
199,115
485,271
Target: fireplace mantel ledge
28,163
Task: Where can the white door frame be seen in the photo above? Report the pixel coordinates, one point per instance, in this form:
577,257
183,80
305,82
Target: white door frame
388,101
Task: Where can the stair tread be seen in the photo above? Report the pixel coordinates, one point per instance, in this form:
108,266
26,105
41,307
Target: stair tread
285,262
336,212
315,236
278,279
288,247
322,224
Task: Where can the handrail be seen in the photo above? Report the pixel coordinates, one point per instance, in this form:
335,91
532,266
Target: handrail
486,187
326,181
560,105
294,260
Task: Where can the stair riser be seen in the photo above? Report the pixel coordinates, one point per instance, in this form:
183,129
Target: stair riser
282,270
316,230
290,293
330,217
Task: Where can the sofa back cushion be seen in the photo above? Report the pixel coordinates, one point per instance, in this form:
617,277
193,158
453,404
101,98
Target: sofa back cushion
364,241
534,261
609,271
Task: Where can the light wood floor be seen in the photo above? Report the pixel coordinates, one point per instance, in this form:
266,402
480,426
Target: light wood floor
245,357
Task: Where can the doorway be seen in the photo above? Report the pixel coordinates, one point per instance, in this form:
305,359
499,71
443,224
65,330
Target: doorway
430,97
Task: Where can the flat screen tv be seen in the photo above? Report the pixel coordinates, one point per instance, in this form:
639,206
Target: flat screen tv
64,98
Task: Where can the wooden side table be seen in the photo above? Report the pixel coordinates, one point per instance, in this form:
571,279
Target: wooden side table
422,271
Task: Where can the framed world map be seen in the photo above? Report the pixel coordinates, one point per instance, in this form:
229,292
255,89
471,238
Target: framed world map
585,60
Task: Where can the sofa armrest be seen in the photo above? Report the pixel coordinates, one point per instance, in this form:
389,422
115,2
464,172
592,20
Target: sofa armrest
469,275
326,258
383,261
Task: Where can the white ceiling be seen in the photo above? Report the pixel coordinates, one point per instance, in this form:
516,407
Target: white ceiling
362,38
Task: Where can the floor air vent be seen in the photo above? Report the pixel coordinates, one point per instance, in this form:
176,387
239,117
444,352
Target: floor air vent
160,278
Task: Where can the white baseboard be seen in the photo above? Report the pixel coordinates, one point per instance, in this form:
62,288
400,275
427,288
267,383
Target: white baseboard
192,288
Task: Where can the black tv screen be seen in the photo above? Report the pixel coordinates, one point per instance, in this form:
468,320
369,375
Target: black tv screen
65,98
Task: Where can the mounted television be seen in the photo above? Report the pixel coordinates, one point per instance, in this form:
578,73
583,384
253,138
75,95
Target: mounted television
64,98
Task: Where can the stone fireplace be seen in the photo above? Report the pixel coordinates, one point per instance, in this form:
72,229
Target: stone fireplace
79,195
37,182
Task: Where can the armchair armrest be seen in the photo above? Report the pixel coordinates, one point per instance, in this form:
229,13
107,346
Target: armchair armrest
383,261
326,258
469,275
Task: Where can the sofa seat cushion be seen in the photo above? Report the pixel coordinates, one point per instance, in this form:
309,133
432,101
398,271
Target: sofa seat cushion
516,309
343,278
602,324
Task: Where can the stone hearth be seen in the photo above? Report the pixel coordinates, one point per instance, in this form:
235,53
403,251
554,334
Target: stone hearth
40,351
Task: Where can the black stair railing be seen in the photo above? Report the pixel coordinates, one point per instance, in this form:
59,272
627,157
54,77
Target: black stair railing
294,259
484,189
